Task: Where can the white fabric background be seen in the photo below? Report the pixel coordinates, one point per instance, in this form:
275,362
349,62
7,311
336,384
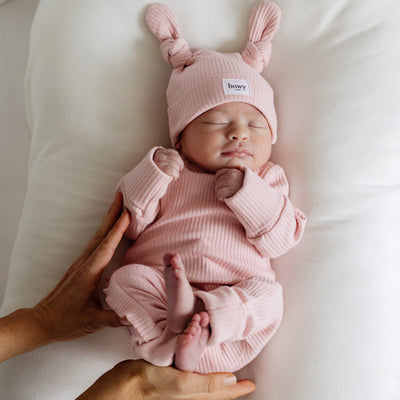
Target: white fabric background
15,23
95,103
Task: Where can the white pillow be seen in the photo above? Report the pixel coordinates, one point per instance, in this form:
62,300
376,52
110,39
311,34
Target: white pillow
96,103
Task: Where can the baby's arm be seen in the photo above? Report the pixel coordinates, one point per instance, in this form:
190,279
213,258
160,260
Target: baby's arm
142,188
273,225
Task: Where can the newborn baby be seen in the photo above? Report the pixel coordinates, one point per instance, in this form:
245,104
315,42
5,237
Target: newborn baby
196,285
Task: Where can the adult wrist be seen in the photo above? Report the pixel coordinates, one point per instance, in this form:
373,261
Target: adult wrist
39,319
20,332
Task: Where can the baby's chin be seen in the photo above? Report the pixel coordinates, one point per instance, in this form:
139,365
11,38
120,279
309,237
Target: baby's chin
231,163
239,164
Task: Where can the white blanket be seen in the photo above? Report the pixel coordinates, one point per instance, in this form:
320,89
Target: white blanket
95,95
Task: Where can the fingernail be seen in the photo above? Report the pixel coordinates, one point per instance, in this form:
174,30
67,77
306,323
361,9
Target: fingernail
124,322
230,380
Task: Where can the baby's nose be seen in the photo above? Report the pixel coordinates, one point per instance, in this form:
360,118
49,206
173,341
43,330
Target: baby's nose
238,134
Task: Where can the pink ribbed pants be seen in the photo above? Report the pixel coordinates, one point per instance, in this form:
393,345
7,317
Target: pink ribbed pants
138,293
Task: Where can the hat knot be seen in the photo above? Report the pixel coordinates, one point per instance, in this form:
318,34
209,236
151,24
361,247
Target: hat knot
264,23
176,52
257,54
164,26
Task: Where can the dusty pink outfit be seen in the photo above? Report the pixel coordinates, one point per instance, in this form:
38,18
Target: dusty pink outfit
225,247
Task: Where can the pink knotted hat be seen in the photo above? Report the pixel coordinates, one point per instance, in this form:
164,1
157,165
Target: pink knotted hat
205,79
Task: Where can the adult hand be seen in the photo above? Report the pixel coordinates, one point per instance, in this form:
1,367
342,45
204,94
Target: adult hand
71,309
228,182
139,380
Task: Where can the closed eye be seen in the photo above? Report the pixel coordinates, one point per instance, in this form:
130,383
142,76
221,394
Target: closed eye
258,126
259,123
214,123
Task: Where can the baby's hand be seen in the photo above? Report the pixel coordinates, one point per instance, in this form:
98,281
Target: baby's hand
169,161
229,181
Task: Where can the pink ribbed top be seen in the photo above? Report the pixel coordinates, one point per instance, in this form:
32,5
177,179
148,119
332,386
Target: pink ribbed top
219,242
225,247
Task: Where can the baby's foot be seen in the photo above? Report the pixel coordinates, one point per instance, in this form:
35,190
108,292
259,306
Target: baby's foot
180,297
192,342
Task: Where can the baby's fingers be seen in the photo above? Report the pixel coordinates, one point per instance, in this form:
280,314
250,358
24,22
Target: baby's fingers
228,182
174,158
171,170
222,193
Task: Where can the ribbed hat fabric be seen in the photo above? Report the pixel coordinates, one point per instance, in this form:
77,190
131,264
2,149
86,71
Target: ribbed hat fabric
205,79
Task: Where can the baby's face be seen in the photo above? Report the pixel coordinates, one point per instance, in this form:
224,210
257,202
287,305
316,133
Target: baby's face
232,135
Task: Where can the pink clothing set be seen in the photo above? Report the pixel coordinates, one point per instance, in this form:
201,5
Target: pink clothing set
225,247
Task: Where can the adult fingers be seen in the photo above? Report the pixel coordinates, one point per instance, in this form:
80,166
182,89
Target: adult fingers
169,383
218,386
109,220
104,319
225,388
102,255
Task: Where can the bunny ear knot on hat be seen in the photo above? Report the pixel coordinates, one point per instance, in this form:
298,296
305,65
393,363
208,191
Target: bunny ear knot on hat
164,26
264,24
204,79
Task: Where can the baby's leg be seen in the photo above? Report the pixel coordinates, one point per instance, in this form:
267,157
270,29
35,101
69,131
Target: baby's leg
137,293
192,342
180,297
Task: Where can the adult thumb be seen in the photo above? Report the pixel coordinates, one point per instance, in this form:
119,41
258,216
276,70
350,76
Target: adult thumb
109,319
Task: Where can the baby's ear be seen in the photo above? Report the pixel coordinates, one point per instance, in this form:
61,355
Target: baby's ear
163,24
264,24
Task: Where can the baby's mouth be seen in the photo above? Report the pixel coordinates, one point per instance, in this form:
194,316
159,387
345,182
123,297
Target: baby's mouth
237,153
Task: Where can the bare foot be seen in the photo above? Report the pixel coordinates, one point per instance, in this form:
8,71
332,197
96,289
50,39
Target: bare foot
180,297
192,342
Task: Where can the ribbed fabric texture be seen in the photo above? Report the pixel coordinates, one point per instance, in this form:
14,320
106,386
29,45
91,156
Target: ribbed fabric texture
199,87
225,247
197,80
